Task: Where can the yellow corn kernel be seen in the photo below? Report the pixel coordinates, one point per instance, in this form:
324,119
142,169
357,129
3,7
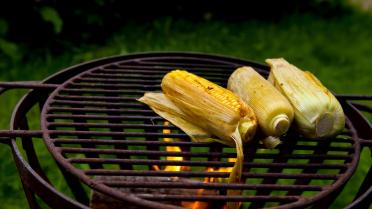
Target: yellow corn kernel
273,111
317,111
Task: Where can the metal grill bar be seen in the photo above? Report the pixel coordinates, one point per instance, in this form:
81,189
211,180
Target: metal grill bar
172,135
207,174
166,68
130,142
111,125
354,97
99,133
102,117
113,80
184,63
202,163
175,143
120,86
21,133
95,98
198,154
366,142
27,85
150,71
98,110
195,185
97,104
218,197
149,143
156,77
104,91
363,107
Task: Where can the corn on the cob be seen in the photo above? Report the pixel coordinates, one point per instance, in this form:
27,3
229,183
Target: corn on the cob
213,108
273,111
317,111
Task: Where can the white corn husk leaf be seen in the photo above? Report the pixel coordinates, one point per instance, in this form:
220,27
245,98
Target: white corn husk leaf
161,105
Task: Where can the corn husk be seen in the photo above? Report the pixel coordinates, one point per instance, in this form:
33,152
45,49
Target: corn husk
161,105
317,111
273,111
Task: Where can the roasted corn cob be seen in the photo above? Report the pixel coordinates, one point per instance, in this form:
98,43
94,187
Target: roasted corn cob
273,111
317,111
213,108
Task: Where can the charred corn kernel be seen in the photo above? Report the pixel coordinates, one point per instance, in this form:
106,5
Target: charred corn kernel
273,111
317,111
212,107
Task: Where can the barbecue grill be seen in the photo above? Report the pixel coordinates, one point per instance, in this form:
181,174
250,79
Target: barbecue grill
107,144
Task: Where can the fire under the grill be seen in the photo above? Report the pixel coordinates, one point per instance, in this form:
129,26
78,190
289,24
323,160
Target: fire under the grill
129,157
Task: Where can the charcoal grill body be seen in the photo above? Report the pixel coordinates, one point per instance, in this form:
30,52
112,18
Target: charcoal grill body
104,90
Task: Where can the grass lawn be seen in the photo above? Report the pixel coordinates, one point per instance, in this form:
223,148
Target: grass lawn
337,50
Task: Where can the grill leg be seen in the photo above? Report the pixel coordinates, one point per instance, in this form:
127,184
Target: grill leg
75,187
74,184
31,199
29,148
32,158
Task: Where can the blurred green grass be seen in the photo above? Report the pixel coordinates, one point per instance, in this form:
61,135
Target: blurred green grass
338,50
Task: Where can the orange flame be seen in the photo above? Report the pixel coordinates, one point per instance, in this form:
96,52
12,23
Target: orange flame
196,204
199,204
172,149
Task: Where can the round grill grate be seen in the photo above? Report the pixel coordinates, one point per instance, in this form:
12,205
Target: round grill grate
96,130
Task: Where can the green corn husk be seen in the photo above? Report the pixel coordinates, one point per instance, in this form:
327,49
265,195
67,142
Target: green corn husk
317,111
